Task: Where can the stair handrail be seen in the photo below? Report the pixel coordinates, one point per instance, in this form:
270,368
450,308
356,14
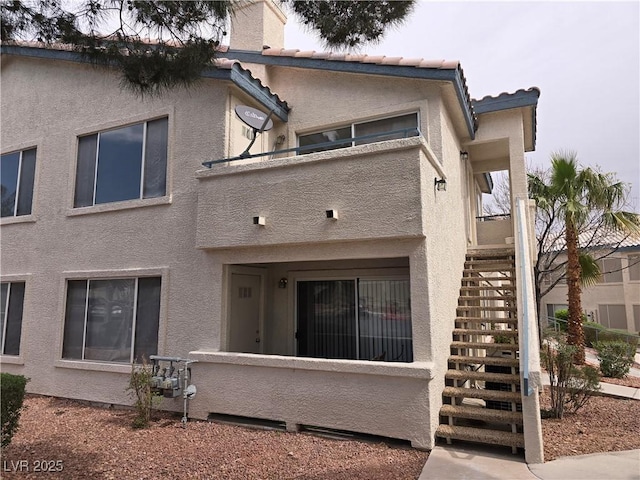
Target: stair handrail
529,356
528,330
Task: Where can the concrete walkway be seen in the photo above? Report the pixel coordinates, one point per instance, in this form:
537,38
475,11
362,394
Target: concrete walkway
455,462
484,463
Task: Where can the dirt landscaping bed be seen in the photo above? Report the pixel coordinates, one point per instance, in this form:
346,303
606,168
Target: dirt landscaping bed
99,443
604,424
90,442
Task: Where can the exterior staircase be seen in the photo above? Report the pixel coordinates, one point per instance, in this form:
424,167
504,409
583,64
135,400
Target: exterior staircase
482,401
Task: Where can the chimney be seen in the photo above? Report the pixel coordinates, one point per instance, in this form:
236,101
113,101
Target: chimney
256,24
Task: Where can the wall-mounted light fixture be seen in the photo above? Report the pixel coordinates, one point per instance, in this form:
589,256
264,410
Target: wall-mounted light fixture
332,214
282,283
259,221
440,184
464,155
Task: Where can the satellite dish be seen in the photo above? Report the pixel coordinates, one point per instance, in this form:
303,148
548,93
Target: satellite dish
253,117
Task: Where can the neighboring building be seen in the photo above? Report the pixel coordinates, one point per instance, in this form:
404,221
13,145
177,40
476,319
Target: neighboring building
314,289
615,301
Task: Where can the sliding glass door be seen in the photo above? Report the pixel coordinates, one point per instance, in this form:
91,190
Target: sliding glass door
357,319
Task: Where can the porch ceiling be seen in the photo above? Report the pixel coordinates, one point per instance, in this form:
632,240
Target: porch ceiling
489,156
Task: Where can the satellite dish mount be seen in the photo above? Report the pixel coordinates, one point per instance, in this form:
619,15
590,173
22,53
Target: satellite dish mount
257,120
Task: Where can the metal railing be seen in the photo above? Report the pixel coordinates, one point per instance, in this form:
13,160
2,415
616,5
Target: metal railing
599,333
525,289
490,218
342,143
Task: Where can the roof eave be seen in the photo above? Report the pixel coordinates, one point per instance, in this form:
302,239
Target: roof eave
453,75
236,74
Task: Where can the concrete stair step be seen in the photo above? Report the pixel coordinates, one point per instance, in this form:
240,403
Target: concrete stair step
486,345
493,437
487,288
496,395
481,413
482,376
463,308
497,361
470,331
489,320
482,263
489,268
477,298
478,278
491,252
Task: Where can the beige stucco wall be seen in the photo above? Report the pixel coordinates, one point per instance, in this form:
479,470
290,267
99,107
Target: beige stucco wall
625,293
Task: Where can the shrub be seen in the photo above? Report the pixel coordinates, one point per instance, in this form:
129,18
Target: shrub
570,386
12,389
615,358
144,397
594,332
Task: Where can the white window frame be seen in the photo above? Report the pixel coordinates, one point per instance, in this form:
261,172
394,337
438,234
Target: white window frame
21,151
110,128
352,125
101,365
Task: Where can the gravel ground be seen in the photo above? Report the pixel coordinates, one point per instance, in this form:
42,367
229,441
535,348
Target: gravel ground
89,442
99,443
604,424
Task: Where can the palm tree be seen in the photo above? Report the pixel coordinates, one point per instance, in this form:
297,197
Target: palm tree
580,195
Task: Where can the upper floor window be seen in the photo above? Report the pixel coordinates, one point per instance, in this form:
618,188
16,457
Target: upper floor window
11,305
122,164
17,172
611,269
634,267
113,320
349,135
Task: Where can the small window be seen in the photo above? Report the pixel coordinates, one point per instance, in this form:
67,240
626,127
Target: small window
112,320
12,302
392,128
611,269
17,172
122,164
634,267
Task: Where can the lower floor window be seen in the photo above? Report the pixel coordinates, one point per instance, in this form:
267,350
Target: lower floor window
613,316
114,320
11,306
357,319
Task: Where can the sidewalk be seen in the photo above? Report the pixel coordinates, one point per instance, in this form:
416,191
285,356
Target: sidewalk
484,463
456,462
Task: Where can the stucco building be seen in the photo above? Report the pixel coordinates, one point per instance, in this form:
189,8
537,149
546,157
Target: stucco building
316,286
614,301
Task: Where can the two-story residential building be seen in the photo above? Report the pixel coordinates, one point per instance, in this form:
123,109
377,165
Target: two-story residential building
316,281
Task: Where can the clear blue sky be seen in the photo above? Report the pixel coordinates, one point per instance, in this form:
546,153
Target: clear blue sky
584,57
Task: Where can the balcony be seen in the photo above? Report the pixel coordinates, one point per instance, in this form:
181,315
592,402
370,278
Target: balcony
374,189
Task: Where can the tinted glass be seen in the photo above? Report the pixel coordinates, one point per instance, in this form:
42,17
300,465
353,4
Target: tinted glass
85,171
109,320
27,175
3,308
384,320
326,319
74,319
404,126
307,142
14,319
147,318
155,159
119,164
